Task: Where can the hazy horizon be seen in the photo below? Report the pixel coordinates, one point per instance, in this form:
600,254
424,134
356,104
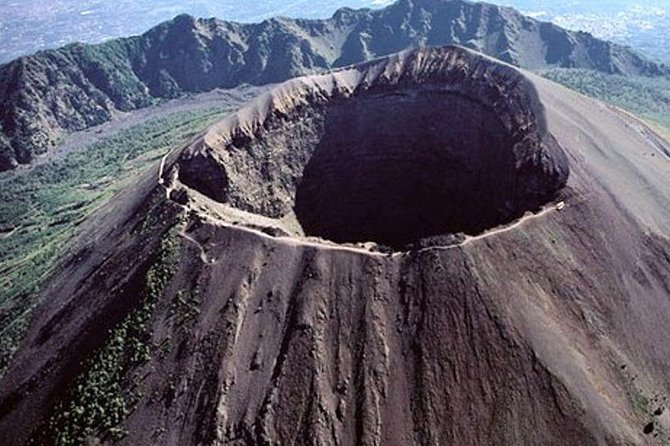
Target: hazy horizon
29,26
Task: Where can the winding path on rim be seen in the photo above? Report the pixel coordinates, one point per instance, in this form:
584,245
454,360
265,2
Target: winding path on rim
335,247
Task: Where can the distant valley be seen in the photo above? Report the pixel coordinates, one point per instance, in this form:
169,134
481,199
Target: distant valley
641,25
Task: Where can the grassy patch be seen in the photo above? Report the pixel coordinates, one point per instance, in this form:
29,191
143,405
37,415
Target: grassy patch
185,308
41,209
644,407
646,97
101,397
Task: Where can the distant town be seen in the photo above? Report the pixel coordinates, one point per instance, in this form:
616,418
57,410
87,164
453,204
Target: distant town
641,27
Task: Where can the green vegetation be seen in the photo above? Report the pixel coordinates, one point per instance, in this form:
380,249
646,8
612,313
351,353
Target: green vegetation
185,307
646,97
110,61
96,403
644,407
40,209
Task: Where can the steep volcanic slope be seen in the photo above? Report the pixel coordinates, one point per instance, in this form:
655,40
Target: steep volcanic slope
82,85
232,326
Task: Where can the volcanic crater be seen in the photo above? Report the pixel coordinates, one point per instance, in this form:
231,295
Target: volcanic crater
435,142
547,331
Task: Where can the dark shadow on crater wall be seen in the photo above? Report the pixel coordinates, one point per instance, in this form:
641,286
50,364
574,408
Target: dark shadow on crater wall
396,167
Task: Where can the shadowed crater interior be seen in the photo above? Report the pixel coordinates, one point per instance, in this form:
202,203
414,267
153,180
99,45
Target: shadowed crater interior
408,166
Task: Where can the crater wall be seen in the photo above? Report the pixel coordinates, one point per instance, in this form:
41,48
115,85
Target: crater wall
429,142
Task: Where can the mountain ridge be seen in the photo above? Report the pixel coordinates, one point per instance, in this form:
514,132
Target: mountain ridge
52,92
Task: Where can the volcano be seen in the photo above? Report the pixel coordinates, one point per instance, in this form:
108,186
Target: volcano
429,248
